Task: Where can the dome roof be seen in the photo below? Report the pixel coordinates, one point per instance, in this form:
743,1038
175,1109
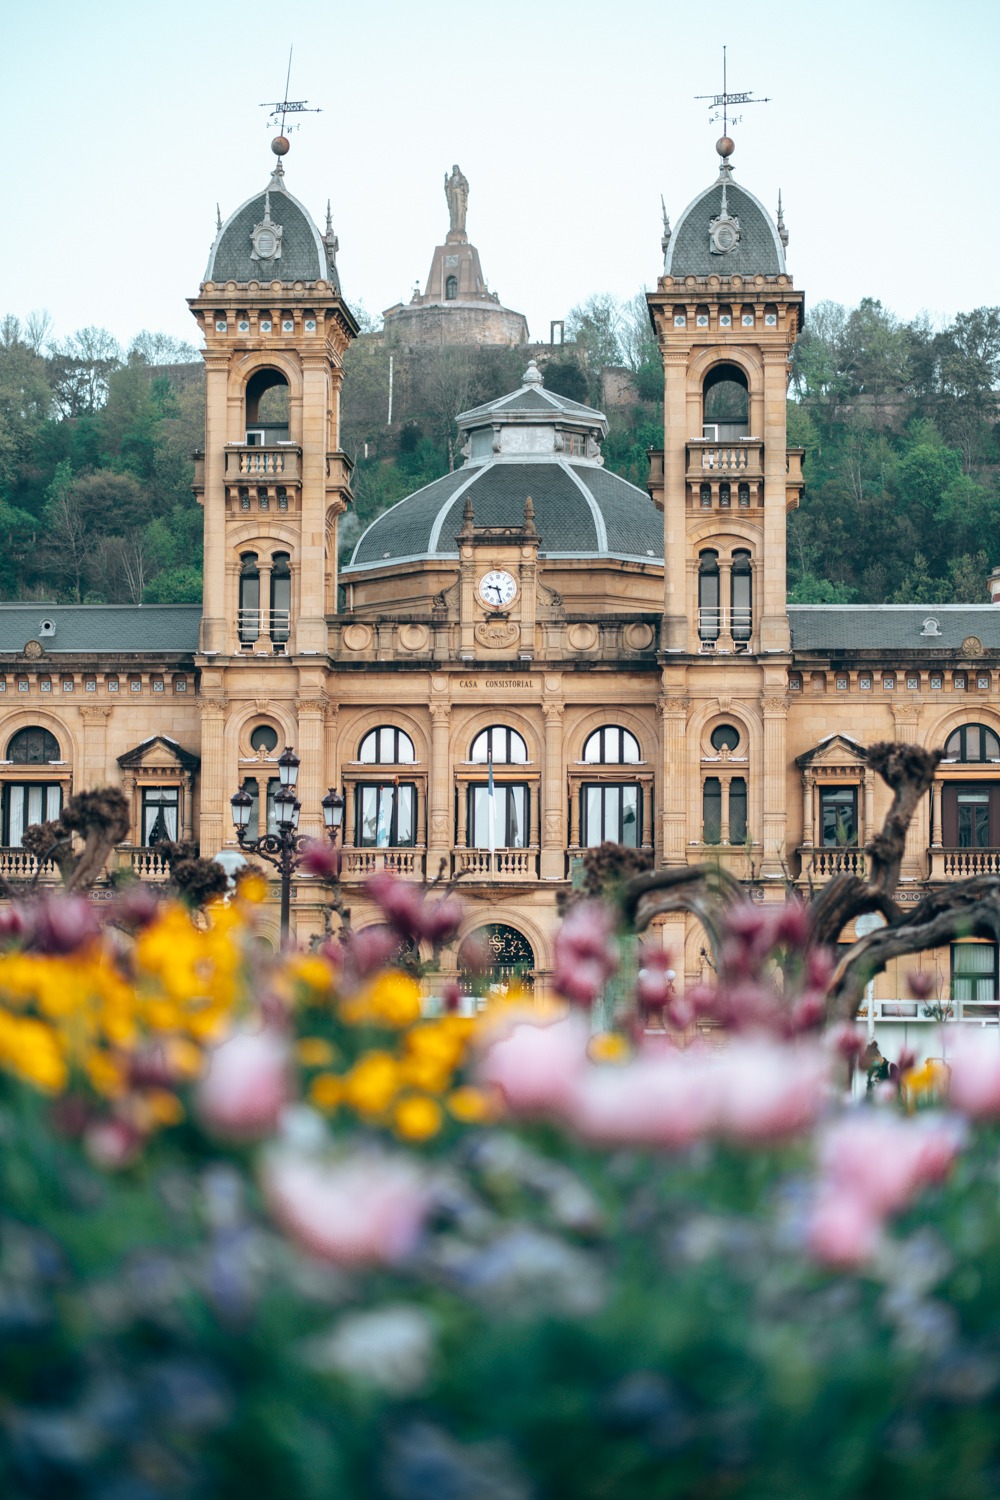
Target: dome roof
756,248
530,442
300,252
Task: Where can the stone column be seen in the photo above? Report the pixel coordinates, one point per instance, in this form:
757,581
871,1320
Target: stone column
213,623
724,641
350,794
552,863
869,814
808,808
774,630
673,801
187,814
439,789
676,627
129,789
937,826
774,711
724,779
311,750
262,645
215,794
646,794
93,770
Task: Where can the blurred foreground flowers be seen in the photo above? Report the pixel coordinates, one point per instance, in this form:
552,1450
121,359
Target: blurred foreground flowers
278,1225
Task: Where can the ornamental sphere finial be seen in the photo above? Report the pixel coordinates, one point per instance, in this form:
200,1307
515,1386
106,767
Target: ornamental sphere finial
280,145
725,146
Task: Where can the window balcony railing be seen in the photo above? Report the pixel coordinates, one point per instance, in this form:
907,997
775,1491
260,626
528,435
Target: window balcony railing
360,863
18,864
253,624
823,864
969,1012
146,863
958,864
502,864
740,457
713,622
247,461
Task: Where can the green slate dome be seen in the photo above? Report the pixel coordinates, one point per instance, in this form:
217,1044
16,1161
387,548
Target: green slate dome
530,442
271,237
726,232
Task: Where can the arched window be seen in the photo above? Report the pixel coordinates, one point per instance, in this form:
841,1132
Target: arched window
495,958
266,408
281,597
973,742
386,745
499,744
708,595
726,408
28,802
249,612
611,746
741,602
451,289
264,739
33,747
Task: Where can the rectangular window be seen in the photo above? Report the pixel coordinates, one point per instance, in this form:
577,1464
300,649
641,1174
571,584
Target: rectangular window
504,823
974,976
711,807
252,788
611,814
159,814
385,815
737,810
973,820
838,813
25,803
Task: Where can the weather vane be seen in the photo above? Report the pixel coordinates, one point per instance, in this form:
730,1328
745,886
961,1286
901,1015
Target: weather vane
719,104
286,106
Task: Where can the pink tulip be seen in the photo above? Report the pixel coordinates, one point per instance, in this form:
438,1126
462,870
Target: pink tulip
246,1087
768,1092
884,1161
844,1231
368,1210
320,858
975,1078
586,954
666,1100
537,1068
440,920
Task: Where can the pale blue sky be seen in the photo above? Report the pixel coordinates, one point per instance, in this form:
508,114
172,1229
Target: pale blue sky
128,122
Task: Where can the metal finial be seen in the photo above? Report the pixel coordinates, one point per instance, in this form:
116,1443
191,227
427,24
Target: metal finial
282,107
218,219
665,237
329,220
719,104
782,231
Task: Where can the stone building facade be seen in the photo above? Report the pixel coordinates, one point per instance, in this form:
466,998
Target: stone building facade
528,656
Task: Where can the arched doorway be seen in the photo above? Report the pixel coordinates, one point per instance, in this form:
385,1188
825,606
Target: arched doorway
495,958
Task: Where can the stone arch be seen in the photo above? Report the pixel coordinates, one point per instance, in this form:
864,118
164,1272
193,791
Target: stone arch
972,712
243,716
747,718
735,533
254,534
478,719
527,931
642,726
245,367
30,718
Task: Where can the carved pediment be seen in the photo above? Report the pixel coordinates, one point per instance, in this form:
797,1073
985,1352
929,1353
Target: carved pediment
835,752
160,753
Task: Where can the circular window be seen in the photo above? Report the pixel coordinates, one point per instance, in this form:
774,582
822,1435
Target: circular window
264,738
725,737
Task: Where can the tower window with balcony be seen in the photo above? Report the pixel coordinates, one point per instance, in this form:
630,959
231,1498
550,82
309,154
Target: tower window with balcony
281,598
249,609
386,745
838,817
726,410
266,411
708,595
159,814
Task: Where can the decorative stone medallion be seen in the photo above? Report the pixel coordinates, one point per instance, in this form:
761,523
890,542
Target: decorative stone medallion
497,634
413,637
638,637
582,637
357,637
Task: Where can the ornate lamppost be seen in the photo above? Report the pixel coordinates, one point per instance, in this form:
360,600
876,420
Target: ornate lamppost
283,847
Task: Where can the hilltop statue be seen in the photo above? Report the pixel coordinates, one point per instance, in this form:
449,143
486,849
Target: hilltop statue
456,190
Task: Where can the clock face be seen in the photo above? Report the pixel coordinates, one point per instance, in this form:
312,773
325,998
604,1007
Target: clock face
497,588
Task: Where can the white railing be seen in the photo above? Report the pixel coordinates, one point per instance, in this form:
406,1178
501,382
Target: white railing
726,458
964,1012
503,864
148,863
835,861
258,462
713,622
361,862
956,863
254,623
18,864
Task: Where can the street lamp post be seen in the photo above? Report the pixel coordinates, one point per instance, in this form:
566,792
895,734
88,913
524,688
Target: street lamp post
283,847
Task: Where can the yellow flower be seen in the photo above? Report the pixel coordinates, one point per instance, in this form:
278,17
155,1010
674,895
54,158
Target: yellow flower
472,1106
184,1058
436,1042
608,1047
426,1073
106,1074
326,1091
161,1107
394,998
313,972
252,889
417,1118
35,1055
930,1081
314,1052
372,1083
